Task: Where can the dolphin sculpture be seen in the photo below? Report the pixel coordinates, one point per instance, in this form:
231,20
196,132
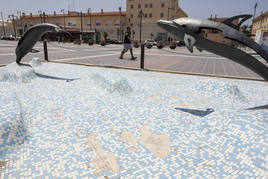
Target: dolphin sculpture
30,37
190,31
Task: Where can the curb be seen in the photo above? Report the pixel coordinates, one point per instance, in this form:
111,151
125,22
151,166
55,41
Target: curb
164,71
156,70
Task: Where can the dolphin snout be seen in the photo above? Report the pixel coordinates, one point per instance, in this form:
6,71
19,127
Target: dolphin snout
164,22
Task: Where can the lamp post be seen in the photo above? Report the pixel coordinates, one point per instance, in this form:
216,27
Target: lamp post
81,15
255,6
3,24
89,11
133,33
42,16
19,12
14,24
120,33
140,16
40,12
169,8
63,11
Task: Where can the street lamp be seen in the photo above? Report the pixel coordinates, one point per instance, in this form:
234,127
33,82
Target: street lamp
81,15
169,8
140,16
120,8
3,24
14,24
19,12
133,33
63,11
89,10
255,6
42,14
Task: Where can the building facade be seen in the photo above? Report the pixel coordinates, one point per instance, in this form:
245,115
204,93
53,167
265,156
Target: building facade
112,23
6,28
102,22
152,11
260,23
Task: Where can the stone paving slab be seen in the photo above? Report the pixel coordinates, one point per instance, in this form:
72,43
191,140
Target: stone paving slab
179,60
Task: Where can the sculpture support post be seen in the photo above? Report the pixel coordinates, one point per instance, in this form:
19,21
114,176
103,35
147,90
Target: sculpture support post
142,56
45,49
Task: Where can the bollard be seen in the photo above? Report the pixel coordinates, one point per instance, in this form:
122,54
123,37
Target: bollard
142,56
45,50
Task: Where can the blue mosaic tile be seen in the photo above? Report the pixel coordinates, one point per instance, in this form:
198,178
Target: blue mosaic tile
120,123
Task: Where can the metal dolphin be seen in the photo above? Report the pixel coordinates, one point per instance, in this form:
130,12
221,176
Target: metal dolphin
30,37
190,31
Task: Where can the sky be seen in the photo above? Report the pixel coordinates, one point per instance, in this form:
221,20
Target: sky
194,8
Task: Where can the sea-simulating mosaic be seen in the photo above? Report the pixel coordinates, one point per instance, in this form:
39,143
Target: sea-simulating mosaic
64,121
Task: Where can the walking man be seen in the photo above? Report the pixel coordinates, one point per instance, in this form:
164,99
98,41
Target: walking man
127,45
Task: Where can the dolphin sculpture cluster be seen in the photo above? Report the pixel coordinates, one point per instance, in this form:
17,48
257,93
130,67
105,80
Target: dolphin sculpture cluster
30,37
190,31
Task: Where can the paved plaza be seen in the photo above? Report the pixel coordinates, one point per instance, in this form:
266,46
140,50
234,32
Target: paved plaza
178,60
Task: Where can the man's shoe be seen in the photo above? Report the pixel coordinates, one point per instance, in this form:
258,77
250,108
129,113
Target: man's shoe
121,58
133,58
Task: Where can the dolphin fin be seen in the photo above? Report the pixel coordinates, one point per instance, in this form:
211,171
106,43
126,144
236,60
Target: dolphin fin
230,20
189,42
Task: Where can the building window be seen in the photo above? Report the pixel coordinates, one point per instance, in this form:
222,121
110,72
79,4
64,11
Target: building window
131,6
117,22
145,15
139,6
151,5
162,14
98,23
150,15
108,22
131,15
162,4
88,23
146,6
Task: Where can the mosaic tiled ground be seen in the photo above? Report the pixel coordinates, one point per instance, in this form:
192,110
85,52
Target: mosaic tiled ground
64,121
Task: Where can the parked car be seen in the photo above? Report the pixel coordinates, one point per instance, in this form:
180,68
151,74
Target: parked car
112,41
151,42
180,43
118,42
9,37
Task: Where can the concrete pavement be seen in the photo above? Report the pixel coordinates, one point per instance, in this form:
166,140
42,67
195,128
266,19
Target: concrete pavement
178,60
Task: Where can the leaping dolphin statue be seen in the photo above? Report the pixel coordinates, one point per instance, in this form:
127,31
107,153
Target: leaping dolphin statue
30,37
189,30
